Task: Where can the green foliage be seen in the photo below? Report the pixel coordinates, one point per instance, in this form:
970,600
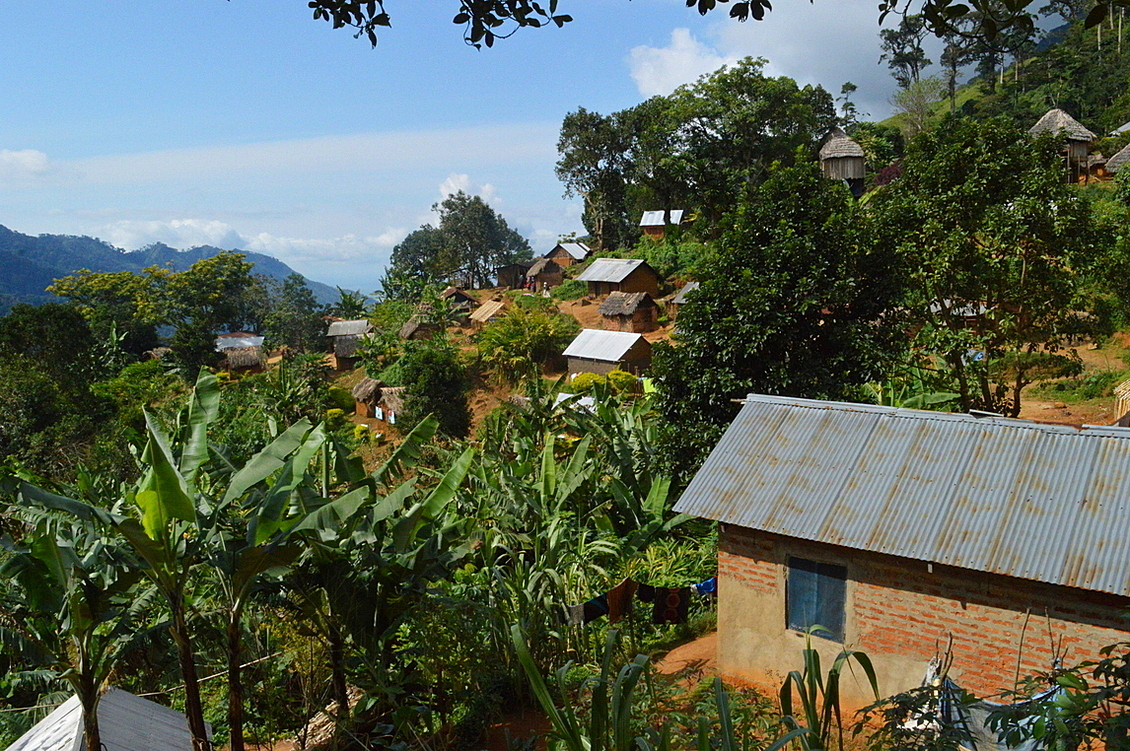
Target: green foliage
527,301
139,386
295,318
673,254
570,289
517,345
990,238
436,383
470,242
699,149
794,302
341,398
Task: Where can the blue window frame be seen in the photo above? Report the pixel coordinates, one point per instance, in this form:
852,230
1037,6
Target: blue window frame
816,594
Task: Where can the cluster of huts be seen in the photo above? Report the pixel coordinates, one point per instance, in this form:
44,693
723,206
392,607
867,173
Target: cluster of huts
841,158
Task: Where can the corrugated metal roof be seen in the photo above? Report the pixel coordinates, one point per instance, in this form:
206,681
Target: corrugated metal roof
1012,497
579,251
686,290
126,722
655,218
606,346
610,269
227,341
349,328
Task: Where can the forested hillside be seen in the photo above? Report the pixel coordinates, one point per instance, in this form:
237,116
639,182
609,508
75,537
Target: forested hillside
28,265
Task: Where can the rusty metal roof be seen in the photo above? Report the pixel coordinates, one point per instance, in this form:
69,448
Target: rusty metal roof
1013,497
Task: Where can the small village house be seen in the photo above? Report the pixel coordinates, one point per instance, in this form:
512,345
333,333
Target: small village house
513,275
655,223
629,311
567,254
601,352
126,723
1077,140
1116,162
366,396
417,329
906,532
843,159
243,352
344,338
607,275
460,300
680,299
544,274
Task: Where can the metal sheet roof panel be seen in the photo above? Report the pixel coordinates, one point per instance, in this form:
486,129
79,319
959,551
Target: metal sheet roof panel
606,346
1041,502
610,270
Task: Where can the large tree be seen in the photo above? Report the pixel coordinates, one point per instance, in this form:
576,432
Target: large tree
469,243
993,241
795,302
698,149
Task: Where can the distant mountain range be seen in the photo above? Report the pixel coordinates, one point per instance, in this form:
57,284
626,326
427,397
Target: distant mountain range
29,264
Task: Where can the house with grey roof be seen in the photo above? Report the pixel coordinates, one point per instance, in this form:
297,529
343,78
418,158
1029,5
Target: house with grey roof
126,723
655,223
345,336
606,275
601,352
680,298
909,534
567,254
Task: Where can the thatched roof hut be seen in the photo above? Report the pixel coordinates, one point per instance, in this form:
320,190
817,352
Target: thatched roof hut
243,358
629,311
1058,121
1116,162
842,158
368,391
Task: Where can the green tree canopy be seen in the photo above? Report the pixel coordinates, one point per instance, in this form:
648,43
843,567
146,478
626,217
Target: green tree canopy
793,303
469,243
993,241
698,149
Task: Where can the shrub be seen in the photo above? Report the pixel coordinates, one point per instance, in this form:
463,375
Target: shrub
341,398
534,302
570,290
621,381
585,382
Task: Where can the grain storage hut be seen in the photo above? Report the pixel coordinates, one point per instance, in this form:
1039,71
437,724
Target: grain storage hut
1078,139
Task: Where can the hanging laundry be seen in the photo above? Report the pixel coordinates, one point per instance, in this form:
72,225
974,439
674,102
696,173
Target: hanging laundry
708,587
620,600
587,611
670,605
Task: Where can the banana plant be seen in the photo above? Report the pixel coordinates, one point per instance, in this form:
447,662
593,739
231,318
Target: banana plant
188,514
75,603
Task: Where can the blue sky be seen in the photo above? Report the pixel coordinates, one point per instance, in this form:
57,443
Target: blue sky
244,123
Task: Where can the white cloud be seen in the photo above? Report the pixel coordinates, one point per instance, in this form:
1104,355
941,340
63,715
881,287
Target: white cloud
176,233
24,166
660,70
458,182
455,148
453,184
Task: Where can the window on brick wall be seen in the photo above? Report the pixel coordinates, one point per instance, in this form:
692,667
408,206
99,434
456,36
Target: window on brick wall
816,595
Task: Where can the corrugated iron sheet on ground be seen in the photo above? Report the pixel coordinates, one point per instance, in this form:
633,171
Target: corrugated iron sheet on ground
1035,501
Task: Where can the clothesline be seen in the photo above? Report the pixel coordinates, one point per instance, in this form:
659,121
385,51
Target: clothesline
668,604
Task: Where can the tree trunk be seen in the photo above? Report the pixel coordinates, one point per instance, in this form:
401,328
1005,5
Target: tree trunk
235,683
88,696
186,656
337,671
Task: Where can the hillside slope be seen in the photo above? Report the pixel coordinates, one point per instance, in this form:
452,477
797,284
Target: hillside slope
29,264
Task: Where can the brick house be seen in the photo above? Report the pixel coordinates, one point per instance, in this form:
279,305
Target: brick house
901,530
629,311
607,275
